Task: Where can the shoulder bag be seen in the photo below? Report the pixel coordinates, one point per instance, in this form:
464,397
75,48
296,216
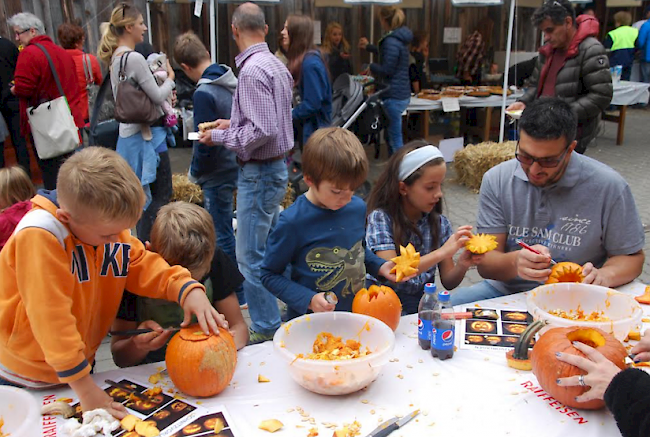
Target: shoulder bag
132,104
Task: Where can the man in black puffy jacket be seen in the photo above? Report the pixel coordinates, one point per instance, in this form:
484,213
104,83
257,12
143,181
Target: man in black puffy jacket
572,65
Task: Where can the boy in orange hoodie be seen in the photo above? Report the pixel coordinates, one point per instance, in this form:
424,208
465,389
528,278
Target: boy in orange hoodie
63,272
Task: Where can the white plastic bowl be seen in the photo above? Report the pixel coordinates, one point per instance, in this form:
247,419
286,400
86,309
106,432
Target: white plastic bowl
334,377
623,311
20,412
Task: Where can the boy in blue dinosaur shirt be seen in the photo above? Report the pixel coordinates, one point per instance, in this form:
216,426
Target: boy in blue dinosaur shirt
322,234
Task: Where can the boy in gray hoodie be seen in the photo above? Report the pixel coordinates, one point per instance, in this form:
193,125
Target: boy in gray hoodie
215,169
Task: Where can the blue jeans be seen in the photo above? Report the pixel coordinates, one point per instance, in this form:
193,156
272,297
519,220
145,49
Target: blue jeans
217,200
410,303
482,290
394,110
261,188
645,71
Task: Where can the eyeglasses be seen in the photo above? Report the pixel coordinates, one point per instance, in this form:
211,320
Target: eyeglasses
21,32
547,162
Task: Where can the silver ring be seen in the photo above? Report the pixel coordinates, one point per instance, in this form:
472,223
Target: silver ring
581,380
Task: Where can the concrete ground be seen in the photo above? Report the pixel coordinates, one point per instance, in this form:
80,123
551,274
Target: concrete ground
632,161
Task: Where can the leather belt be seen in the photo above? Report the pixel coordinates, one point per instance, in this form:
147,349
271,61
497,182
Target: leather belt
243,163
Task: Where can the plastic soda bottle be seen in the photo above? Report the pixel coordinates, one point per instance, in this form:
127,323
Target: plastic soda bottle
444,326
425,315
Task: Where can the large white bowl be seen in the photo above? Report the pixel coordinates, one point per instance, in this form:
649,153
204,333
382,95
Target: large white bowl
624,312
334,377
20,411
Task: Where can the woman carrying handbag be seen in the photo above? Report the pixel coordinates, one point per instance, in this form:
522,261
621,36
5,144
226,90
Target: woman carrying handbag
142,135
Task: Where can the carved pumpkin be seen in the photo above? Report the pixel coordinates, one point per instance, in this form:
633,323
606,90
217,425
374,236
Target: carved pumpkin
482,326
201,365
565,272
379,302
547,368
481,243
406,264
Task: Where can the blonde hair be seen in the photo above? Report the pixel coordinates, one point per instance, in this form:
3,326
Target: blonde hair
623,18
98,179
190,50
123,15
15,186
183,234
393,16
335,155
326,47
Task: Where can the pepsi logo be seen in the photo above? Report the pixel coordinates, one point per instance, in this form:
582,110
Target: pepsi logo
433,332
447,335
420,324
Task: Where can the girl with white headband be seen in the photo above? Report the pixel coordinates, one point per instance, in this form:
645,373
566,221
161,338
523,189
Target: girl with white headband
405,206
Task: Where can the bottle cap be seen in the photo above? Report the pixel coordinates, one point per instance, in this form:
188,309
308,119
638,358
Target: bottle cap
430,287
443,296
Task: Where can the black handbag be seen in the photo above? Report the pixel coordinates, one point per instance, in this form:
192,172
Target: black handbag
104,133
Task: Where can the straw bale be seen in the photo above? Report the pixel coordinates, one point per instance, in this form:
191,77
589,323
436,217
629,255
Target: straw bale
473,161
185,190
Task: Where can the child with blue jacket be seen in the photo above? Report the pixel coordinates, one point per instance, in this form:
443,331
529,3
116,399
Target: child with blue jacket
322,234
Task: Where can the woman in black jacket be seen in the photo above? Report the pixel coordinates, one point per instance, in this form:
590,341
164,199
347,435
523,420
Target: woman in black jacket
336,50
393,69
626,393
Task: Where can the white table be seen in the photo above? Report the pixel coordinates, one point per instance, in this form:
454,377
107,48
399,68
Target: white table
626,93
474,393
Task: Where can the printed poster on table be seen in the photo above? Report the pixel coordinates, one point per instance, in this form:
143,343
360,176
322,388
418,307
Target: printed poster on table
493,329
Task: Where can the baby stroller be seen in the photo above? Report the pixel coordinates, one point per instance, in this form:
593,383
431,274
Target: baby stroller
350,110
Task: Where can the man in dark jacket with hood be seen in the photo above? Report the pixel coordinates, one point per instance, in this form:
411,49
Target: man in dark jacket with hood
572,66
215,169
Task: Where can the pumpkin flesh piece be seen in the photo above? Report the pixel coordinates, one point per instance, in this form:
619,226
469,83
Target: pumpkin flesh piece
565,272
481,243
407,263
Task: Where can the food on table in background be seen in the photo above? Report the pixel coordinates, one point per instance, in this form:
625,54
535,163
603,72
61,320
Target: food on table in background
201,365
580,316
271,425
515,328
548,369
192,428
348,430
58,408
328,347
380,302
479,93
474,338
645,297
516,316
565,272
406,264
481,243
486,314
207,125
634,335
482,326
520,356
261,378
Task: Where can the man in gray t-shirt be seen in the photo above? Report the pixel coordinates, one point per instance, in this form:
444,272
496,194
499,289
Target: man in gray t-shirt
565,205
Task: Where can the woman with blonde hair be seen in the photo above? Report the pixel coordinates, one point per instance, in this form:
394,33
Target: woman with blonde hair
336,50
16,190
393,69
143,146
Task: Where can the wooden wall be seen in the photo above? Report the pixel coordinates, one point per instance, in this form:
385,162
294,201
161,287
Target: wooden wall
169,20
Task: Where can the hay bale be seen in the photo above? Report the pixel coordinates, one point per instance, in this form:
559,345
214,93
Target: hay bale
183,189
473,161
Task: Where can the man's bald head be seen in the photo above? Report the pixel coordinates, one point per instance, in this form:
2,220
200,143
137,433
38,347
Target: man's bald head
249,17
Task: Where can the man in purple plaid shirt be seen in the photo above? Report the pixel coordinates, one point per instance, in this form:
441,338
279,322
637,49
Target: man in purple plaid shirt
260,132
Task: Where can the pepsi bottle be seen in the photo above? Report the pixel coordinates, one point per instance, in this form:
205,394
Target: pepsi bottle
444,327
425,315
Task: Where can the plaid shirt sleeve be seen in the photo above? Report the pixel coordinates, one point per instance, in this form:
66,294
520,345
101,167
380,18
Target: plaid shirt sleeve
379,232
446,230
258,121
471,55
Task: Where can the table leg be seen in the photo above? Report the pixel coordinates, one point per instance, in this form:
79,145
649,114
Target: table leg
621,126
488,124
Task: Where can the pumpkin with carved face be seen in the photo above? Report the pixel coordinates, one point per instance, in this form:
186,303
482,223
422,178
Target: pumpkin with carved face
201,365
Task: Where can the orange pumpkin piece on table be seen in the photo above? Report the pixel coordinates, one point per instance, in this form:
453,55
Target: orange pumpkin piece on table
481,243
645,297
201,365
547,368
565,272
380,302
406,264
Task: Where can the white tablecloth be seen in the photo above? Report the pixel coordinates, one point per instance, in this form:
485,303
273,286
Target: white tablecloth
493,101
475,393
630,93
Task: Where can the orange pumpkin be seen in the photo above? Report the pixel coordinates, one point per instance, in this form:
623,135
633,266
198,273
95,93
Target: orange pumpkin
565,272
547,368
379,302
201,365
